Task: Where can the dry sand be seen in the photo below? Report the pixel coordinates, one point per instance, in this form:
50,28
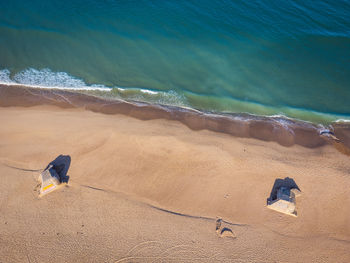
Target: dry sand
151,191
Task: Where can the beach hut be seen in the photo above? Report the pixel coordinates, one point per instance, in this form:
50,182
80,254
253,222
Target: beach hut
285,201
49,180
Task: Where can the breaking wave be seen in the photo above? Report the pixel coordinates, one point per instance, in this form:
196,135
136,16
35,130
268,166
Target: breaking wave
46,78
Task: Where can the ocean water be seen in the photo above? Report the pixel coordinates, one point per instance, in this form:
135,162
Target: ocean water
286,57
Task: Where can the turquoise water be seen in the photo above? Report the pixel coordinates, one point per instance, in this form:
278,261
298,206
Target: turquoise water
262,57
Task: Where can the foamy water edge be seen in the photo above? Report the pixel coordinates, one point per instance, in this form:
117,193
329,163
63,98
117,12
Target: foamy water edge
48,79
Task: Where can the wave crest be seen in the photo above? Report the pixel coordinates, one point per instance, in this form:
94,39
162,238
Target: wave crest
46,78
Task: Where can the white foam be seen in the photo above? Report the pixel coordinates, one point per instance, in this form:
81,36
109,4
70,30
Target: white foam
45,78
149,91
278,116
169,97
5,76
342,120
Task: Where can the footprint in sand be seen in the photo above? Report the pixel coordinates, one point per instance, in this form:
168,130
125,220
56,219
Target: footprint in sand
223,231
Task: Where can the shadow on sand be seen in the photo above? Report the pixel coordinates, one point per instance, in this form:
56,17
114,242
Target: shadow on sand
61,164
286,182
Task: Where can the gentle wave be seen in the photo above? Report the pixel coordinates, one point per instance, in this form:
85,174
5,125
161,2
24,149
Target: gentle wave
342,120
48,79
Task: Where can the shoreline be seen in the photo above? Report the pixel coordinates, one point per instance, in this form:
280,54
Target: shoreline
280,129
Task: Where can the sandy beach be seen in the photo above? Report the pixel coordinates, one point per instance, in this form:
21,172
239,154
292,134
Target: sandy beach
152,190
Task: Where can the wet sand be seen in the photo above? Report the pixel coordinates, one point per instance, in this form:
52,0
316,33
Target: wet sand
151,190
279,129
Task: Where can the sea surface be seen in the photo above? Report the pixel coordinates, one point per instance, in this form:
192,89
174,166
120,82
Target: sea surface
289,58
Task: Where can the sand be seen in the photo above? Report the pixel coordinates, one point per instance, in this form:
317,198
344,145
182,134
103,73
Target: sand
152,191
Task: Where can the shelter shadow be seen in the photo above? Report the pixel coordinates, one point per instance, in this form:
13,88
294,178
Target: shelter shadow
61,164
286,182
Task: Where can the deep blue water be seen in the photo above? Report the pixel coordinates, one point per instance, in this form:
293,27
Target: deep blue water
263,57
